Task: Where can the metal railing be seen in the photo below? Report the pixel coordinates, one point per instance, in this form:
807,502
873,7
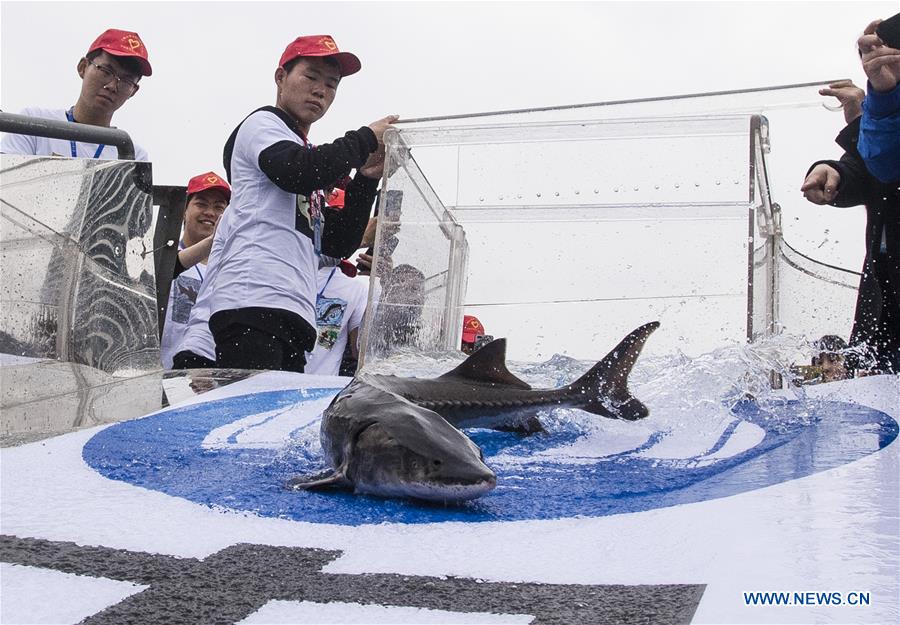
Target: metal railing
71,131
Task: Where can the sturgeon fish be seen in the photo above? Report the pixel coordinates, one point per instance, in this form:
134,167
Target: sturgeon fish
401,437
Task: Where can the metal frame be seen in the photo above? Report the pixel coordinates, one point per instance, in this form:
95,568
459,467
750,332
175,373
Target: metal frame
72,131
171,201
767,217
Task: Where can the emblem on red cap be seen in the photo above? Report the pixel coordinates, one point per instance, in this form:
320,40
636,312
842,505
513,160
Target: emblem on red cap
123,43
320,45
208,180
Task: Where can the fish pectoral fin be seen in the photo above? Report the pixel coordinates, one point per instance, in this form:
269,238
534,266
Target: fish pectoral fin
328,479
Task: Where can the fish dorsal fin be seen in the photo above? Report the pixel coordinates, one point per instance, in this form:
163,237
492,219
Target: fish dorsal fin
488,364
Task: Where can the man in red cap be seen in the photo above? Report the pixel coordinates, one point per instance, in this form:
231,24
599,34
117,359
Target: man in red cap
473,336
207,197
266,253
110,73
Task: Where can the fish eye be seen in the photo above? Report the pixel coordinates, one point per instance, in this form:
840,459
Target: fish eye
436,462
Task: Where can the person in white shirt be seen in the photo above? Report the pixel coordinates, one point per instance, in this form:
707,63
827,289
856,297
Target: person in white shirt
340,307
261,279
208,195
110,73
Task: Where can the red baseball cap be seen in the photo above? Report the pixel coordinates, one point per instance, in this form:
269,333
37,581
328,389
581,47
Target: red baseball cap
335,199
320,45
472,329
123,43
207,181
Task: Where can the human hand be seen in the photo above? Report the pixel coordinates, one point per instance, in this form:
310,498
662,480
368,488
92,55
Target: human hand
379,127
364,264
820,186
374,165
849,95
368,239
880,62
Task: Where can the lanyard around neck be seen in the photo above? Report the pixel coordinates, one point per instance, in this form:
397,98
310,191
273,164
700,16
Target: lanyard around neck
196,267
330,276
70,115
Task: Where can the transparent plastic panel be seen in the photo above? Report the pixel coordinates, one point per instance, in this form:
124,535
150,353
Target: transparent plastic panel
419,271
576,233
615,163
764,303
76,250
814,299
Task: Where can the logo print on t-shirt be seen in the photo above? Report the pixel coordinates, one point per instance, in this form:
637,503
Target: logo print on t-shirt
186,289
308,209
329,316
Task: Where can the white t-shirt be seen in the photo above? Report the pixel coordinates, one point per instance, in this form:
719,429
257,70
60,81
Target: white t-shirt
340,306
258,257
182,297
45,146
197,336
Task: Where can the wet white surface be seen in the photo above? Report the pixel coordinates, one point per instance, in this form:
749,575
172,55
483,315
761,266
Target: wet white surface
38,596
834,531
308,613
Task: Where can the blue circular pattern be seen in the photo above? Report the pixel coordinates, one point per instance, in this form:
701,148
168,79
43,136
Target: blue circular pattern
163,452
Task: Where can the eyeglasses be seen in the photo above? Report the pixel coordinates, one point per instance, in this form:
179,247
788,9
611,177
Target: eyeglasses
129,85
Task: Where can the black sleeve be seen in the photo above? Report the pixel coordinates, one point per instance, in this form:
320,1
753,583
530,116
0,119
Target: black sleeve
857,185
298,169
344,228
179,268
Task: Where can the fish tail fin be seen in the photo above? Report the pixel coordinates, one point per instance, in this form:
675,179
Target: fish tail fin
604,387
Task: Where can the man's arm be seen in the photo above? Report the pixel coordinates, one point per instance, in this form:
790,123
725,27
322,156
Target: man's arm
879,135
298,169
344,228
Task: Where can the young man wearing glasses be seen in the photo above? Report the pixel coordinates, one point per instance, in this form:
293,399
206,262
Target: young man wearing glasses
110,73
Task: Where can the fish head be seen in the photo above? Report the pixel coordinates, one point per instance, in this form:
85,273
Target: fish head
414,452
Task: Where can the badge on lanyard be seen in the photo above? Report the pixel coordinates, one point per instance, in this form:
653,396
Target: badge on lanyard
316,204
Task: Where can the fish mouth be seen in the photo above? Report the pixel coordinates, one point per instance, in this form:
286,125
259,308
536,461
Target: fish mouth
444,490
